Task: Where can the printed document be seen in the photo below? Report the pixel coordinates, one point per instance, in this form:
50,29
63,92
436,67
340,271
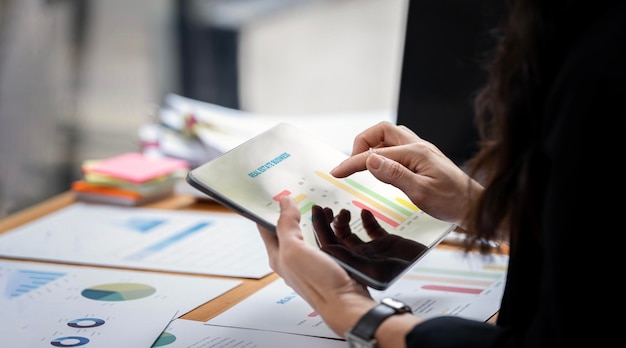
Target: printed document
444,282
142,238
53,305
183,333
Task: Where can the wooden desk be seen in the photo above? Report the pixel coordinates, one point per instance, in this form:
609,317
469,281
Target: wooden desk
179,202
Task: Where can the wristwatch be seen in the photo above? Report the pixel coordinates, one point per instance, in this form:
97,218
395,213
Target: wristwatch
362,334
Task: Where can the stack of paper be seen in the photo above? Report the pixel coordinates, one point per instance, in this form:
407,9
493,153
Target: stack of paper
129,179
198,131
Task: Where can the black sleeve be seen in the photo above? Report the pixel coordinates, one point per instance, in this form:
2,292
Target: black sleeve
443,332
571,298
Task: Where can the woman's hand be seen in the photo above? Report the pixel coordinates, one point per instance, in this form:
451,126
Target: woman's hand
313,274
397,156
383,257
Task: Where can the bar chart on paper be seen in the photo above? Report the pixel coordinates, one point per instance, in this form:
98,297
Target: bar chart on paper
476,285
24,281
56,305
142,238
451,282
459,281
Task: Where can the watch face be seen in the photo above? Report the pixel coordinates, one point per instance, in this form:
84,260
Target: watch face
399,306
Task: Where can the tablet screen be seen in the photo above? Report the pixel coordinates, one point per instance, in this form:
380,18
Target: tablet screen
286,160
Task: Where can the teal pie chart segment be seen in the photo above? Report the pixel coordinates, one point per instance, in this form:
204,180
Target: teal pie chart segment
163,340
114,292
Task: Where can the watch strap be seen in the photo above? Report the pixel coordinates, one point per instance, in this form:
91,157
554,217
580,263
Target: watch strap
362,334
366,327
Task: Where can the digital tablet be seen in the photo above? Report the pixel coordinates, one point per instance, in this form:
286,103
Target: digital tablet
286,160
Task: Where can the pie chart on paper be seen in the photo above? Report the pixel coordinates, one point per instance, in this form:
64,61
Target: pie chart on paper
163,340
113,292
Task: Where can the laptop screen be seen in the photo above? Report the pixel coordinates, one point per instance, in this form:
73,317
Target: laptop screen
441,71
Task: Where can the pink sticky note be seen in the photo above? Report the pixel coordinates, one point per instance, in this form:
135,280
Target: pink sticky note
136,167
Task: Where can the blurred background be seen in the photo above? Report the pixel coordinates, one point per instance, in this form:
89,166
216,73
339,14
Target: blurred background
79,77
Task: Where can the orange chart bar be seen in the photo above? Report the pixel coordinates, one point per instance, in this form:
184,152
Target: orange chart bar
299,198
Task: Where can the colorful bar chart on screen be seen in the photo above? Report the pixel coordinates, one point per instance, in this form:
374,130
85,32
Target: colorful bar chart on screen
391,207
387,210
287,161
284,161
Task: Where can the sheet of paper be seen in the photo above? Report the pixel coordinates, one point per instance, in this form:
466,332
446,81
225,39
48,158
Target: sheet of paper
59,305
193,334
450,282
92,325
141,238
445,282
289,313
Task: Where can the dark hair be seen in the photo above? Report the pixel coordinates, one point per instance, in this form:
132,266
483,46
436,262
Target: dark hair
532,43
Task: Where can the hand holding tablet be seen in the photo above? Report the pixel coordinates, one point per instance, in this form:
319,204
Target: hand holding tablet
285,160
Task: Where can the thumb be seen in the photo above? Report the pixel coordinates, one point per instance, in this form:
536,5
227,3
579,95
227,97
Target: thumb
389,171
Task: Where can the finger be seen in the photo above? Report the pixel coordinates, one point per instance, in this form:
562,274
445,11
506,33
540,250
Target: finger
288,225
329,215
341,224
357,163
321,226
398,174
371,225
352,164
378,137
